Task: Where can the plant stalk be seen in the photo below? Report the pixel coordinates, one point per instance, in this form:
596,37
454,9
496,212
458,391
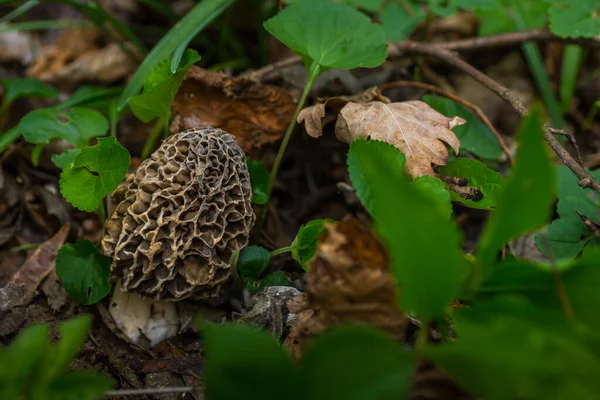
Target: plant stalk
282,250
314,72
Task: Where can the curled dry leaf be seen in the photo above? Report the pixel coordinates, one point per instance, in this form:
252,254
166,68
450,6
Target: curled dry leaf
349,281
412,126
255,114
76,57
21,288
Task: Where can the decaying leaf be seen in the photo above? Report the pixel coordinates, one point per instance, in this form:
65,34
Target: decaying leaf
412,126
255,114
76,57
21,288
349,281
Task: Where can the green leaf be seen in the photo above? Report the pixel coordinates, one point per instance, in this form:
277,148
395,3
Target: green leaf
329,35
276,278
574,19
96,172
499,19
16,369
90,96
423,242
568,235
259,179
581,280
252,261
77,126
65,158
488,181
376,367
532,178
15,88
73,334
399,20
160,88
474,136
189,26
531,357
83,271
304,246
432,186
80,385
246,363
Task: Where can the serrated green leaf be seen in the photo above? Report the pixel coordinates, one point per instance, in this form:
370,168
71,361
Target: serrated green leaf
331,371
575,19
432,186
488,181
94,173
423,242
259,179
330,35
304,246
160,88
15,88
532,364
532,178
77,126
252,261
399,20
65,158
242,362
474,136
83,271
562,239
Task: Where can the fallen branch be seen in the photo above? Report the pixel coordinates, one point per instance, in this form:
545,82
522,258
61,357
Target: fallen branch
458,100
585,179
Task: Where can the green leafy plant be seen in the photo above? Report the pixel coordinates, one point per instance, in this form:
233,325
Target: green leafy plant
15,88
325,35
84,271
33,369
259,179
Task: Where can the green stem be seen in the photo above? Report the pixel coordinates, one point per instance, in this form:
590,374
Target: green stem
35,154
113,116
282,250
9,137
152,138
313,73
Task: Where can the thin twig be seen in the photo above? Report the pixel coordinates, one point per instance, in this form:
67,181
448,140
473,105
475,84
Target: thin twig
458,100
585,179
150,391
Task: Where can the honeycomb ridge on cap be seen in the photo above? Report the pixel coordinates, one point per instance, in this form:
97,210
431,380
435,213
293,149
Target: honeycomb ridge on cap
180,216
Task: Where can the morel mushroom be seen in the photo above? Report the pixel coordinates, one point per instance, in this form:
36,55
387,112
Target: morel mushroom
180,217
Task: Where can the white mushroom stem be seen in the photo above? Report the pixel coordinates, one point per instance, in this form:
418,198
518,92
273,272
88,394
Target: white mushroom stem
139,316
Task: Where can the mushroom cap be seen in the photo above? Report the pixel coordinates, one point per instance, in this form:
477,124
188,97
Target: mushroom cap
179,218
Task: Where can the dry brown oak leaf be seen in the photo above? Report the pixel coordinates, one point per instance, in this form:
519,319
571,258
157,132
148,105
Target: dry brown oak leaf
255,114
416,129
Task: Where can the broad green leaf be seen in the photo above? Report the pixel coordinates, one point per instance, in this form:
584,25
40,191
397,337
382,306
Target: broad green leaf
574,19
581,279
499,19
242,362
568,235
15,369
531,357
15,88
488,181
77,126
276,278
329,35
80,385
252,261
65,158
95,97
474,136
96,172
187,28
432,186
83,271
423,242
399,20
160,89
259,179
356,363
533,179
304,246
